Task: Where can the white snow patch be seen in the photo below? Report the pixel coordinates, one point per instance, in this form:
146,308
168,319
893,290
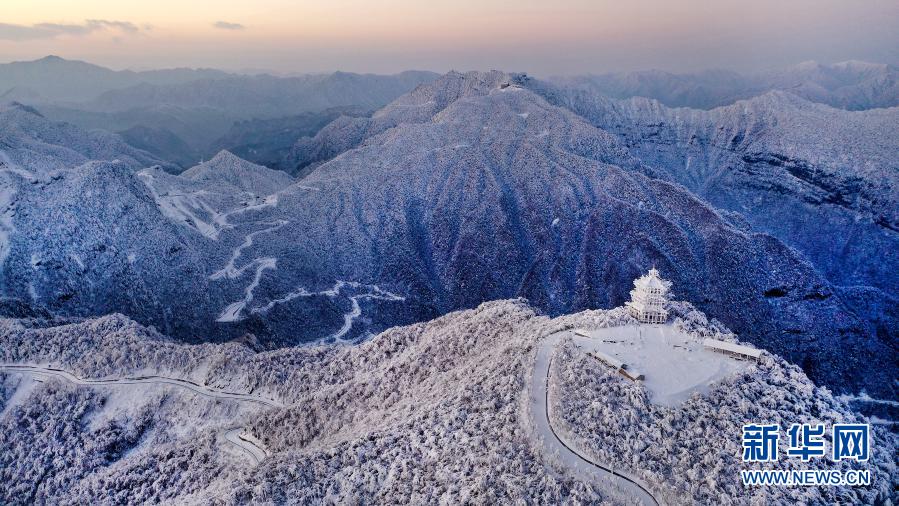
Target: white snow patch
183,208
7,228
190,210
675,364
25,385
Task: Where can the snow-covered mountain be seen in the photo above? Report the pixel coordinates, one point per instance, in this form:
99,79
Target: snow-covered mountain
181,338
184,115
417,106
823,180
91,240
33,143
851,85
241,175
468,189
172,127
269,141
437,412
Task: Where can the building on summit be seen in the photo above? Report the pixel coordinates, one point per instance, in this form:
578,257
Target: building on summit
649,298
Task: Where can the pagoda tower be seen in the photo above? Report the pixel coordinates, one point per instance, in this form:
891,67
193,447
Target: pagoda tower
649,298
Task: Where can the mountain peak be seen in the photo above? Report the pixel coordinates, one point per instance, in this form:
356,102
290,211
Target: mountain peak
225,156
229,169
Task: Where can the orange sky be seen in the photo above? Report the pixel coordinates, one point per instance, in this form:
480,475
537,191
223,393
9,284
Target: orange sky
573,36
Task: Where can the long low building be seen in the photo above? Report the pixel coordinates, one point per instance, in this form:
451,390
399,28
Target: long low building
732,349
618,365
608,359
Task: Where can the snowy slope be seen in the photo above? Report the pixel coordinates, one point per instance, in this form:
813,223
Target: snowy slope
470,189
823,180
417,106
228,169
31,142
90,240
502,194
438,411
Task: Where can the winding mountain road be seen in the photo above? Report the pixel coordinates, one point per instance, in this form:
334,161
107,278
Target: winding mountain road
237,437
150,379
249,445
576,461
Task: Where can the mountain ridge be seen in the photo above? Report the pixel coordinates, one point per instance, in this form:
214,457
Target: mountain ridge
475,188
848,85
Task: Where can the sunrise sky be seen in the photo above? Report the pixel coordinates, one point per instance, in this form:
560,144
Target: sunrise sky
541,37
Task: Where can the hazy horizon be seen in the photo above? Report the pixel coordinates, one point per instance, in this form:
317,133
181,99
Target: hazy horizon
285,73
572,37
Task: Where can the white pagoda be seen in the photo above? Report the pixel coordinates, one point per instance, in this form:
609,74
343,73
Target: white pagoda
649,298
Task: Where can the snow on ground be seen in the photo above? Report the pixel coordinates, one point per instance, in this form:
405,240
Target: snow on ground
619,482
23,388
190,209
185,209
441,412
675,363
201,410
867,398
7,200
239,438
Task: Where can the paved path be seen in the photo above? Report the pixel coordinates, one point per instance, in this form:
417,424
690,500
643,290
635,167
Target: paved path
136,380
577,462
237,437
249,445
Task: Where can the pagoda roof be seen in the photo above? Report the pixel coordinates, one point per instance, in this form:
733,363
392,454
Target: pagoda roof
652,280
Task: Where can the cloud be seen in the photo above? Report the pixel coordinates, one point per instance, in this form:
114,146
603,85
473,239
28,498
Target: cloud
224,25
53,30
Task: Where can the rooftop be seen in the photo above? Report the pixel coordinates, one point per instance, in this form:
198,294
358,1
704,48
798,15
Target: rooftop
652,279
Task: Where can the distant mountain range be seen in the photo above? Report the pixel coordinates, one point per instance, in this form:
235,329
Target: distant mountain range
831,171
55,79
851,85
186,115
265,96
484,186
